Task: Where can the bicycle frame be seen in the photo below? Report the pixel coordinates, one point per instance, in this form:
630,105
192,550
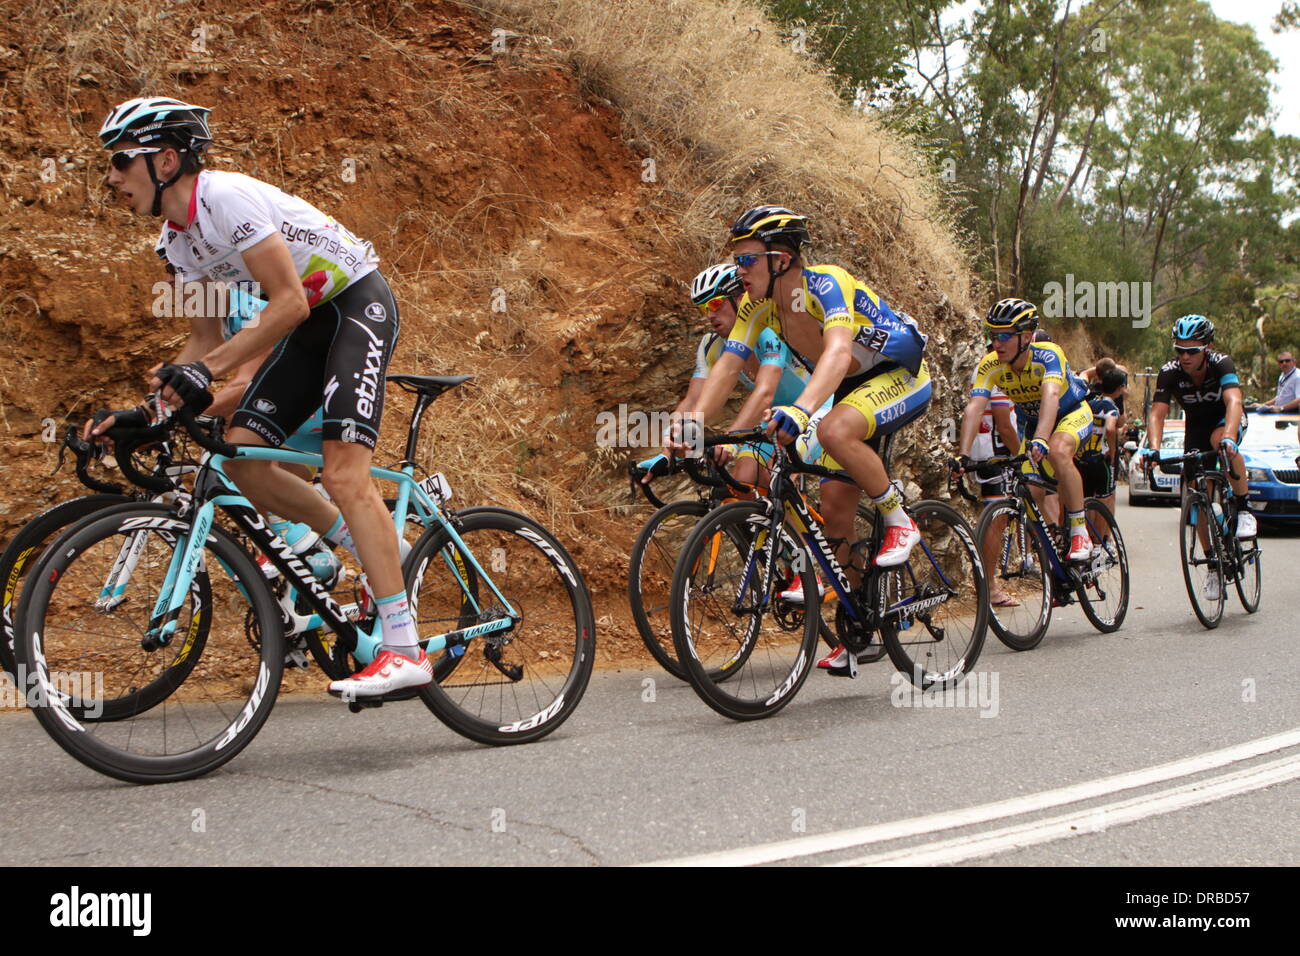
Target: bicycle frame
799,513
216,490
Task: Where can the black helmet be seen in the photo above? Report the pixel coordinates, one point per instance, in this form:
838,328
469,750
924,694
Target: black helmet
770,224
1012,315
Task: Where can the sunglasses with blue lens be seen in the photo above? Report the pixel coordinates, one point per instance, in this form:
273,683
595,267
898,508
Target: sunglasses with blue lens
747,260
997,338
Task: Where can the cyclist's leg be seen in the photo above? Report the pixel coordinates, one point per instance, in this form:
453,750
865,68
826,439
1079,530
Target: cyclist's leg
991,491
865,411
280,398
1240,484
1071,430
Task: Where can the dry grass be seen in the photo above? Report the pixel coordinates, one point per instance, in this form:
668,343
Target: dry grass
734,117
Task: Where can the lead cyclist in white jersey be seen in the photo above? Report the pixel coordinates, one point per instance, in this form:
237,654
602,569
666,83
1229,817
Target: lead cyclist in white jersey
330,322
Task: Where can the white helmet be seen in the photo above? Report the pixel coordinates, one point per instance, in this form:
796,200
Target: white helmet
722,279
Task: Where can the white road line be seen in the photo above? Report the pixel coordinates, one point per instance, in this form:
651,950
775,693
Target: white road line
1088,822
898,829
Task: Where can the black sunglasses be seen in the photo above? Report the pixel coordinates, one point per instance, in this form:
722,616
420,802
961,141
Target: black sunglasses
123,158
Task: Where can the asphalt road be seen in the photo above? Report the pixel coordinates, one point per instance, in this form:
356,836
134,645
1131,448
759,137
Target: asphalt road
1051,763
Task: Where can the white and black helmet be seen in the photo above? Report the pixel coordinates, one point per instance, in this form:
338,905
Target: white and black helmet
148,119
722,279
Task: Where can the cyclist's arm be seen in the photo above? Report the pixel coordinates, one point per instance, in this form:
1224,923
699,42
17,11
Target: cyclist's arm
1156,424
712,396
1006,428
1047,409
692,395
271,265
205,333
970,423
837,356
227,399
1112,437
1234,411
760,399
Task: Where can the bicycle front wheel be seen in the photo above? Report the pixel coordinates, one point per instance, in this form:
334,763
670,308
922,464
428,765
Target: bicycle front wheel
934,608
746,651
1249,576
1017,573
520,683
210,688
1202,554
25,548
650,576
1104,581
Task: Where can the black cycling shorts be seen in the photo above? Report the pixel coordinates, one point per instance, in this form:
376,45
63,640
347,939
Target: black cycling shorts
1199,435
1098,476
339,353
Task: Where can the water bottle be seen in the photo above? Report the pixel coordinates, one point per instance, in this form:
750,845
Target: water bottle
322,562
311,547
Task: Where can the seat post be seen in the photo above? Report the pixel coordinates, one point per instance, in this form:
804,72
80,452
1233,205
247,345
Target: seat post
422,401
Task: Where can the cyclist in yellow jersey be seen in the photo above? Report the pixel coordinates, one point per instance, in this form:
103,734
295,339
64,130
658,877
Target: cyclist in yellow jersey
1049,398
858,351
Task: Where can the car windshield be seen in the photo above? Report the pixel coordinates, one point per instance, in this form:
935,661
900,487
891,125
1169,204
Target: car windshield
1263,432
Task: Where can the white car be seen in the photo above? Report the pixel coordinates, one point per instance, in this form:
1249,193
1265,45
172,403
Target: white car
1163,487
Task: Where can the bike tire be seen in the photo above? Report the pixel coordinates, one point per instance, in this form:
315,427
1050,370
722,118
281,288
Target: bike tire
1106,615
650,575
944,562
726,556
230,684
1019,557
1195,554
23,550
552,644
137,699
1249,574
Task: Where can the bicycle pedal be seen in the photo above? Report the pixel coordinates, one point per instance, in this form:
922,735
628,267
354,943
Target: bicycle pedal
297,658
358,704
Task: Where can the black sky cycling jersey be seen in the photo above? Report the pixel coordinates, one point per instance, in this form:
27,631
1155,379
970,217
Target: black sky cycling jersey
1202,403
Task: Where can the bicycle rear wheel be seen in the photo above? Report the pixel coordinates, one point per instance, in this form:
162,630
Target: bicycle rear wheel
1016,566
519,684
23,551
935,607
1104,589
1202,559
215,686
650,576
727,619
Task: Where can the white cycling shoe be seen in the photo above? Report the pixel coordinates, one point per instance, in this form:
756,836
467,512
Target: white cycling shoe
794,593
1080,548
898,544
1213,586
387,673
1246,526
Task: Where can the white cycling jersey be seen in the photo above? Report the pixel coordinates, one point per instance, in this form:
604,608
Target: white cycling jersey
230,212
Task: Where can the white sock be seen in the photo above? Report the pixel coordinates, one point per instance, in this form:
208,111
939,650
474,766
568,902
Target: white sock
400,634
340,537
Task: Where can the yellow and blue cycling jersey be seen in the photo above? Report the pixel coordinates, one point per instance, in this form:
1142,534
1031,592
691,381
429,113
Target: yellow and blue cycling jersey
833,297
1047,363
